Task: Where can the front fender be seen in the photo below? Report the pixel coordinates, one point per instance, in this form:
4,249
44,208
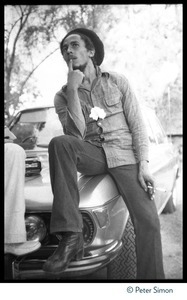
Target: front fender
96,190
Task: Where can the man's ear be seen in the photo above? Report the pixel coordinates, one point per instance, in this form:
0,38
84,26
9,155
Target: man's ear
92,53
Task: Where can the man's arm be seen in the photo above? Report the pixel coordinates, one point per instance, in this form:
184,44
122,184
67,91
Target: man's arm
68,107
138,130
73,102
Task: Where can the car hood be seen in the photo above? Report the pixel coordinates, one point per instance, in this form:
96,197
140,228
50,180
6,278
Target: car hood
94,190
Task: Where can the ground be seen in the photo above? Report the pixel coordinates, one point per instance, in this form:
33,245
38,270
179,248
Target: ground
171,232
172,238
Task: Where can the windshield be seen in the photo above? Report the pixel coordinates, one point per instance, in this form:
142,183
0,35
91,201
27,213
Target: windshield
36,127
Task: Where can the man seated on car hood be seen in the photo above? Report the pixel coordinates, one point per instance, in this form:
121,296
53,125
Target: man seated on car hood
104,132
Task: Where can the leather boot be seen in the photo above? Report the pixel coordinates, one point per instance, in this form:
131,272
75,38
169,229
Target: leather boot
70,247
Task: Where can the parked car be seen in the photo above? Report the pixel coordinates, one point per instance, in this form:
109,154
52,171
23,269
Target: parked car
108,231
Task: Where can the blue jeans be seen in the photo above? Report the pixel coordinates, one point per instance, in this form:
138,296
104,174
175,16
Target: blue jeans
67,155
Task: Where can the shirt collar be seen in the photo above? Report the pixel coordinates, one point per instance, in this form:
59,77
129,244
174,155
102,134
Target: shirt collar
99,74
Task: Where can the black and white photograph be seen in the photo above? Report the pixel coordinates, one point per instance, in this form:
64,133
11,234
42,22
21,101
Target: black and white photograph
93,147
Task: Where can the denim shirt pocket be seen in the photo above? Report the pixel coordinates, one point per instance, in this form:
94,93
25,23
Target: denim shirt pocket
112,95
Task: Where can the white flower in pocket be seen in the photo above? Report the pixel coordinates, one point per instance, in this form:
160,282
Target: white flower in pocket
97,113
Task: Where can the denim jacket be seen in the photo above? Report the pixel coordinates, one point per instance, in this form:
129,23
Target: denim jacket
122,133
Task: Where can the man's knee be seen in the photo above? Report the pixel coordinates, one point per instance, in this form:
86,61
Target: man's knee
63,141
14,150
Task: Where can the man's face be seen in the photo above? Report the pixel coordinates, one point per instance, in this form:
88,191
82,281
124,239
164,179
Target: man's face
74,48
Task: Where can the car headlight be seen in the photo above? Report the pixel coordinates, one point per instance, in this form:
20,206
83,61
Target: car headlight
35,228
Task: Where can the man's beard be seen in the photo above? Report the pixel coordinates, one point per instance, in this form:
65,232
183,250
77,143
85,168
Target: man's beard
81,67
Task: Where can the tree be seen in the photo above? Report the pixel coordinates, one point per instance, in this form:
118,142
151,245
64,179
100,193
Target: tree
21,36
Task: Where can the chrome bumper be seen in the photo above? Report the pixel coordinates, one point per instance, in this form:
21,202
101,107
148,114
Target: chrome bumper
30,266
